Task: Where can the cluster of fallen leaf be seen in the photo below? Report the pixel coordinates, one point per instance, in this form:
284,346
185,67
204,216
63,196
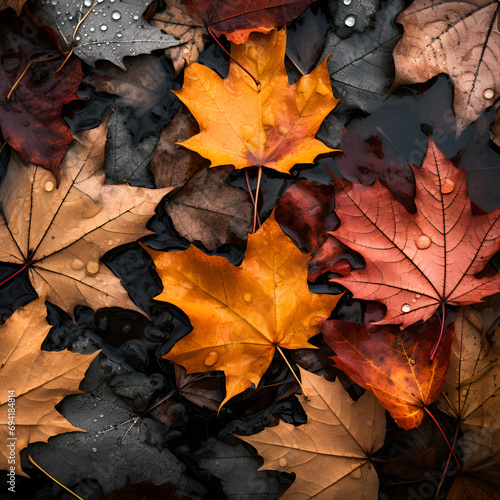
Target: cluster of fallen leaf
424,248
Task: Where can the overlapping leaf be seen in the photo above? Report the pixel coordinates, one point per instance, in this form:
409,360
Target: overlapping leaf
240,315
39,380
60,234
394,364
415,262
462,41
330,455
244,125
28,45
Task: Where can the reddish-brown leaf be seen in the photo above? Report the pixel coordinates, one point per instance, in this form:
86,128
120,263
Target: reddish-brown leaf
30,120
305,214
17,5
394,364
238,18
415,262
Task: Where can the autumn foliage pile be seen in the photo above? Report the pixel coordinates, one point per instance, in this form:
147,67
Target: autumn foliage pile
409,250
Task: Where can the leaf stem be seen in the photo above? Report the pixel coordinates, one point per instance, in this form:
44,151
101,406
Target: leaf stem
436,345
3,145
234,60
447,464
15,274
304,392
73,40
53,479
251,196
255,213
457,463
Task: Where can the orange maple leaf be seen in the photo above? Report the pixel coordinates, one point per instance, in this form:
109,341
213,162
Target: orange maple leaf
416,262
240,315
245,126
33,382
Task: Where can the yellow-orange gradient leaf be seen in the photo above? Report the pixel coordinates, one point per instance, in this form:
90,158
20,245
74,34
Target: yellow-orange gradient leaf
243,126
240,314
33,382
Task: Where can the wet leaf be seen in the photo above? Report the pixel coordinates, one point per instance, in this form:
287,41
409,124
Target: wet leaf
39,96
462,42
38,380
353,16
241,314
432,256
62,233
330,455
111,31
245,127
393,363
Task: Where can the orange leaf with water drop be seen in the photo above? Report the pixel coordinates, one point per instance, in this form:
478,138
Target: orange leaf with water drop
245,126
241,314
415,262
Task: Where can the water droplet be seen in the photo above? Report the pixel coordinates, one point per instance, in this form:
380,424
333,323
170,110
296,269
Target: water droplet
447,187
119,35
406,308
185,50
94,449
247,297
356,474
135,18
211,358
489,94
316,321
103,27
26,123
99,44
413,361
92,30
116,15
70,18
49,186
413,301
101,415
77,264
464,392
92,267
282,462
95,419
54,2
347,2
87,3
77,38
417,296
28,343
423,242
350,21
217,462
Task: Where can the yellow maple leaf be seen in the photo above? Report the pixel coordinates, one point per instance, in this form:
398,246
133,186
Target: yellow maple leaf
245,126
240,315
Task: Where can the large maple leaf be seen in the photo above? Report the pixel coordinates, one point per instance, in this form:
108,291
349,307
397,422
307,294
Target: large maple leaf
330,455
461,39
415,262
394,364
30,119
245,126
238,18
60,234
240,315
34,381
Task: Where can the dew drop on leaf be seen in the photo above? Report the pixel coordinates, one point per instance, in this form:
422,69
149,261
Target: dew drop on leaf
211,358
406,308
423,242
350,21
447,187
282,461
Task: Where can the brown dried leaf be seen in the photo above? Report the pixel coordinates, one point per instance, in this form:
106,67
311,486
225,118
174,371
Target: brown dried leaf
17,5
39,380
208,210
462,40
62,233
188,27
330,454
